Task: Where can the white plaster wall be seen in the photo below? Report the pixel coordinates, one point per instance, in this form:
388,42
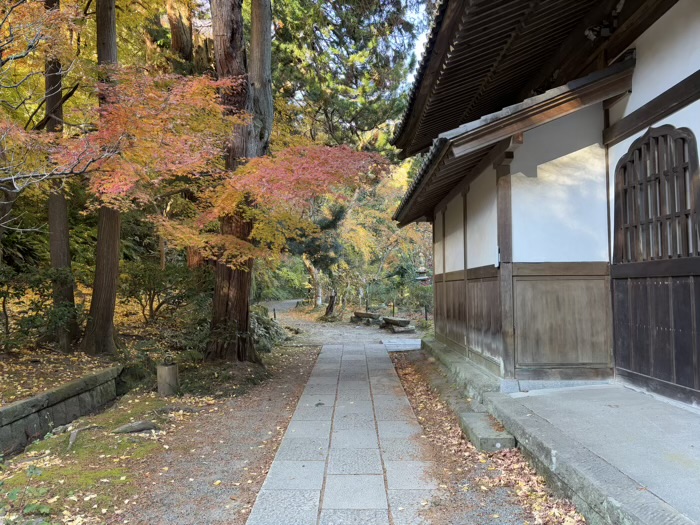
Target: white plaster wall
482,221
667,52
454,235
559,199
437,245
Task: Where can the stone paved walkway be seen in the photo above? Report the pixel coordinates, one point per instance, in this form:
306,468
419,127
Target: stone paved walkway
349,456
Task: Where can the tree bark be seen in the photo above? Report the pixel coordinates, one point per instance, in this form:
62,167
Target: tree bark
315,276
194,257
59,240
99,333
180,21
330,309
106,32
261,77
59,246
231,337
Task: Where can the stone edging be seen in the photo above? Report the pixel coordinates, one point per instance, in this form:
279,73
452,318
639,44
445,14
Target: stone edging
28,419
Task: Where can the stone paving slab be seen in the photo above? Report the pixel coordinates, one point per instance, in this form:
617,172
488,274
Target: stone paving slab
355,461
351,454
307,475
354,517
291,507
355,492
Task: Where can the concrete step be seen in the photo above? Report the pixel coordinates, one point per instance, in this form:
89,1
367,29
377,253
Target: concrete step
484,433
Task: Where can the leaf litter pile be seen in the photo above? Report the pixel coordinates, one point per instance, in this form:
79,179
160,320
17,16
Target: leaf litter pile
470,477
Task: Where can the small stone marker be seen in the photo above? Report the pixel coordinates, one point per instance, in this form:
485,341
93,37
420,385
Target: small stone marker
168,380
136,426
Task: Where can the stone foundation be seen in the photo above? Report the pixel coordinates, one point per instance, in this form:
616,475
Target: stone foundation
29,419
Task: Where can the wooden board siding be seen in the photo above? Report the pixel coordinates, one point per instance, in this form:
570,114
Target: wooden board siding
468,314
484,323
455,321
656,263
657,327
439,315
563,320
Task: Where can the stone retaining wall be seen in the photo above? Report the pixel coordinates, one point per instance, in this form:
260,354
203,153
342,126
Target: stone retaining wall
29,419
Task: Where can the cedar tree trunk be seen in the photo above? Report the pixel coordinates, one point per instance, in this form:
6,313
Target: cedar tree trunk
231,338
59,241
332,300
260,77
180,21
99,333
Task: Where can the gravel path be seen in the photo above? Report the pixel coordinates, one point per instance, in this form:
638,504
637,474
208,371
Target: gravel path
319,333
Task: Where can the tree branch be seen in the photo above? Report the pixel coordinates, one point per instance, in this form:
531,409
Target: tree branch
42,123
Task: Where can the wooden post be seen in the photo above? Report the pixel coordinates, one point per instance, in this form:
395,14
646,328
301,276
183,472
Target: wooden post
168,380
505,246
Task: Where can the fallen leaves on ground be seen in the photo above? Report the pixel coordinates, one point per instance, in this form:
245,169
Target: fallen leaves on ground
507,468
101,479
27,372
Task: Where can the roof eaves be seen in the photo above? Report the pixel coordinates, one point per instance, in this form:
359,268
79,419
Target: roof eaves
440,10
446,140
436,152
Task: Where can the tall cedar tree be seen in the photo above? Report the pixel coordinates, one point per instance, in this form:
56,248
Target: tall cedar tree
99,333
343,65
231,316
181,43
59,241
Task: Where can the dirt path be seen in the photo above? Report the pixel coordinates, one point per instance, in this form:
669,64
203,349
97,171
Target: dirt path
317,333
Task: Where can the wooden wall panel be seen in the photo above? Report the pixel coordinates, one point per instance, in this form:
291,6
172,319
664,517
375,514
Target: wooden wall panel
439,314
484,322
683,336
562,321
657,333
455,312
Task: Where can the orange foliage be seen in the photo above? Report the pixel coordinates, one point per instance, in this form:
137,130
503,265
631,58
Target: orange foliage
162,128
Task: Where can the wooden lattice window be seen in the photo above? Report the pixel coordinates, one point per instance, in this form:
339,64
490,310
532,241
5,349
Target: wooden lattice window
657,188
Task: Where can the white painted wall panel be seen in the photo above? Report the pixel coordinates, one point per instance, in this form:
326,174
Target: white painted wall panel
482,221
454,235
437,245
667,52
559,200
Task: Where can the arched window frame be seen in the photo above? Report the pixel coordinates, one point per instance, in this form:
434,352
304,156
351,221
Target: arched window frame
657,190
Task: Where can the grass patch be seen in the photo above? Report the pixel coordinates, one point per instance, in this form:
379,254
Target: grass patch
94,477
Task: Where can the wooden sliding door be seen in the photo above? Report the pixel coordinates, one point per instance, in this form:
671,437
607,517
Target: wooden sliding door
656,263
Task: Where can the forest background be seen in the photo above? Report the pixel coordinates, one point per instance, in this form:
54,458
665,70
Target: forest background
128,220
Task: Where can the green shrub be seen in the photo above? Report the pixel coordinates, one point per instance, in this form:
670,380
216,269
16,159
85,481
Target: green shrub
158,290
266,332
